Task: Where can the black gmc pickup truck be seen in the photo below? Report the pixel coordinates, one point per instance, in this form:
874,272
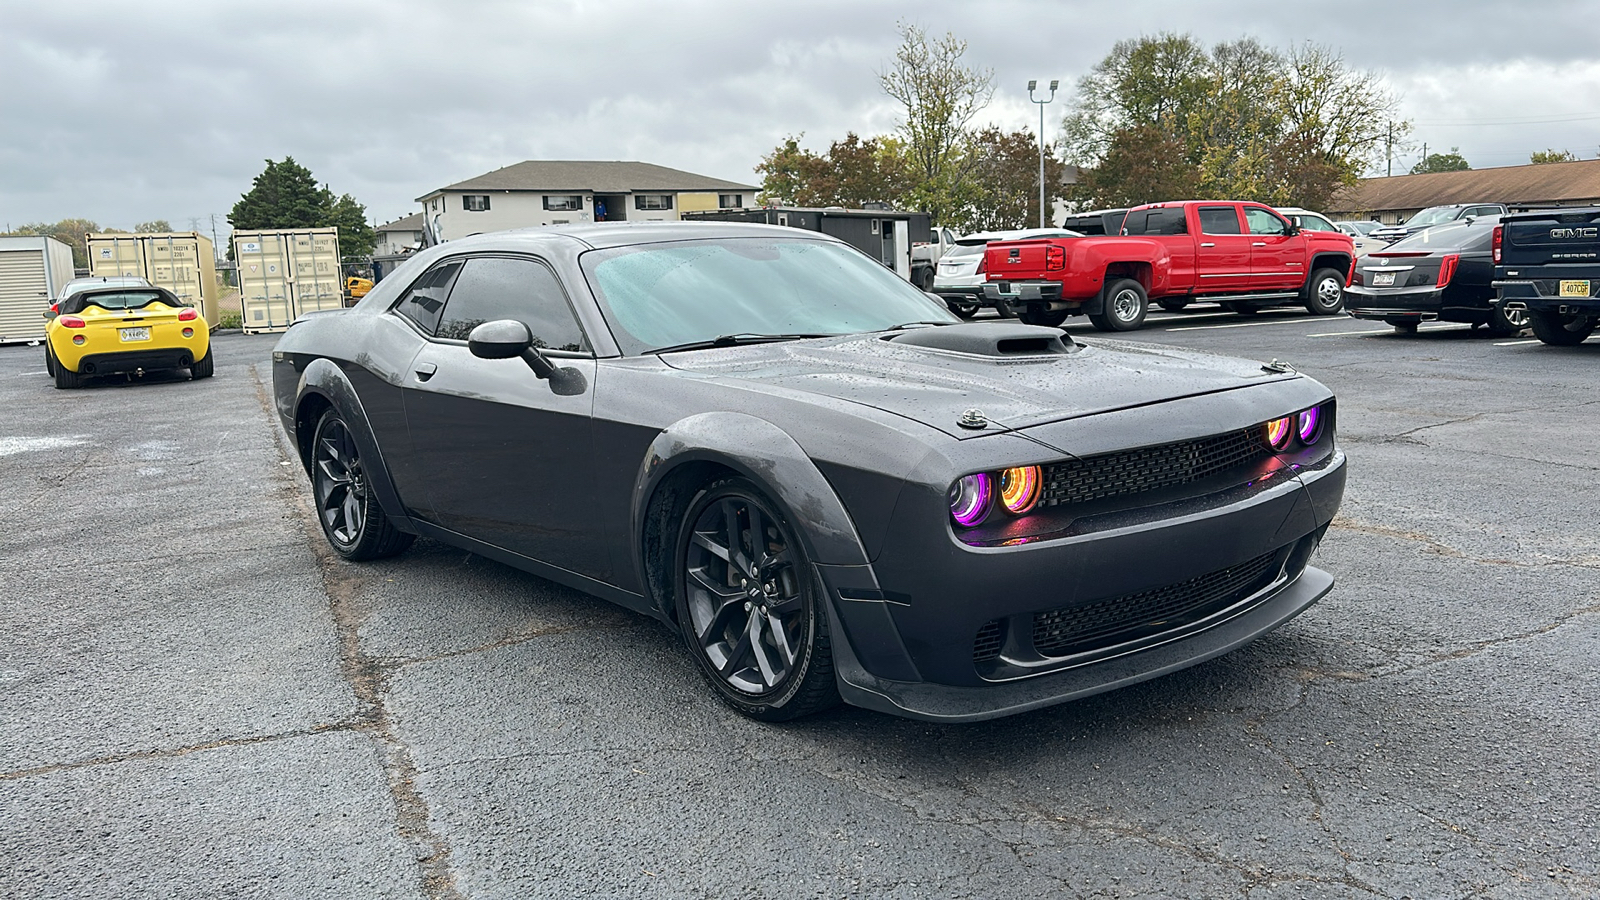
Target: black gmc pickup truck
1548,263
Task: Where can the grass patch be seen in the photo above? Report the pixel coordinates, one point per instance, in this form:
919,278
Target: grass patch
230,318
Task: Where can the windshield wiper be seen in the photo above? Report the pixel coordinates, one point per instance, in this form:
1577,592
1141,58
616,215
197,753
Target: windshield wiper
734,340
905,325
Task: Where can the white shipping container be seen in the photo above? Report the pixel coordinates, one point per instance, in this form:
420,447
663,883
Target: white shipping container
286,273
183,262
32,271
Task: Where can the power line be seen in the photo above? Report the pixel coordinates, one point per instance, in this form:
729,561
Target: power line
1471,123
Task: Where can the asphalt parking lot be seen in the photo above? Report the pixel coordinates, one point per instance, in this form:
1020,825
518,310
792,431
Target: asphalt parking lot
198,700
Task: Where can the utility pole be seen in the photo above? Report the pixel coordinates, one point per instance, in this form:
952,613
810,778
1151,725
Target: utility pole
1388,150
1041,104
1424,153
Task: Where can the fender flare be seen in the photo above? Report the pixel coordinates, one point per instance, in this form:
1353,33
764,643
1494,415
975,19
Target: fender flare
764,453
322,377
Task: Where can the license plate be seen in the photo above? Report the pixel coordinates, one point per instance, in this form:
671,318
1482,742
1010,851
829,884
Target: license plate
135,334
1382,279
1575,288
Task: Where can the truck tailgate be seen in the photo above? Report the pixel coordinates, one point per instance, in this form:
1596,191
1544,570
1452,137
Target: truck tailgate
1007,260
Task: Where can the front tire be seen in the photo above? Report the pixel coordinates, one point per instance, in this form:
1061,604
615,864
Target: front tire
351,517
1325,292
1125,306
1560,330
749,607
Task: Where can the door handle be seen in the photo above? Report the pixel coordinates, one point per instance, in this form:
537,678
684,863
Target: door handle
1258,243
1208,244
426,370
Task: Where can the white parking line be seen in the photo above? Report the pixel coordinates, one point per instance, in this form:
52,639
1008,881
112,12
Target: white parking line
1517,343
1343,333
1239,325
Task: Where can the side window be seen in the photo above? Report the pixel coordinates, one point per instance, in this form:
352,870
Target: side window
1263,222
1219,220
424,300
1166,221
497,287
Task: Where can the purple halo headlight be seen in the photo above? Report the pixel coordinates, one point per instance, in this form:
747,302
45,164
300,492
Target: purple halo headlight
970,499
1279,432
1308,425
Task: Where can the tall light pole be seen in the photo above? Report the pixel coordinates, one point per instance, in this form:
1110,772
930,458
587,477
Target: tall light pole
1031,86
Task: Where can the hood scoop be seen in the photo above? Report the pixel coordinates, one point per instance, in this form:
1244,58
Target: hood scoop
996,340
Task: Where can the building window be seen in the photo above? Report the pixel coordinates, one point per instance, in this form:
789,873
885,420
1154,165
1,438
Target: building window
730,201
475,202
563,202
652,201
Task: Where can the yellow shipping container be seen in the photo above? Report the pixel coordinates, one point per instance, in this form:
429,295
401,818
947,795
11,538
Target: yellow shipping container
285,273
183,262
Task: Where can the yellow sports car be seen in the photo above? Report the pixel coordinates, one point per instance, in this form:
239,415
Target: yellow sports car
124,330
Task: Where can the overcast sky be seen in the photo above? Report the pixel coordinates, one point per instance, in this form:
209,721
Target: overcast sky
128,112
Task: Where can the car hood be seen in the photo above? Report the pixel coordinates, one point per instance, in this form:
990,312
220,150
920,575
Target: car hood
935,387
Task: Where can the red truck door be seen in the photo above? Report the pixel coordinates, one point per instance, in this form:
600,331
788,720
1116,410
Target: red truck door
1223,256
1277,258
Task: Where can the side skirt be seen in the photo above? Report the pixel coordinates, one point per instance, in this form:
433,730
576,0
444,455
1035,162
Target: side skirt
557,574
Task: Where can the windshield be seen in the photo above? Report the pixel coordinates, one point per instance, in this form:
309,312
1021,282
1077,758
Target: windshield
1433,215
114,300
966,249
1454,236
663,295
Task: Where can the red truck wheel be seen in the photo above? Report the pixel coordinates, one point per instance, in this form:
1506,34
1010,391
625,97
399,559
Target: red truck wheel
1124,308
1325,292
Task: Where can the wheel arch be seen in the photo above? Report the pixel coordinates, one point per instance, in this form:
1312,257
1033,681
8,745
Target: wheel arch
1339,262
698,449
323,386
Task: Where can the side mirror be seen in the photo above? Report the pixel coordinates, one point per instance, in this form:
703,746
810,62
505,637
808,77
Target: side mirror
507,338
49,314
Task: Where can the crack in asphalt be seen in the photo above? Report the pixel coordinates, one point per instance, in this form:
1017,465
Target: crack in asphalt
1434,545
174,752
368,678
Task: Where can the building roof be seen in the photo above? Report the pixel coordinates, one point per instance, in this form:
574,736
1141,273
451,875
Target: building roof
412,222
596,176
1563,182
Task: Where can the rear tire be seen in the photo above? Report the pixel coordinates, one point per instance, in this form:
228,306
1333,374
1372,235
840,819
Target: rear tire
1124,307
49,361
1507,322
202,367
1409,329
351,517
1325,292
966,309
749,606
1043,317
1173,304
67,379
1560,330
1243,309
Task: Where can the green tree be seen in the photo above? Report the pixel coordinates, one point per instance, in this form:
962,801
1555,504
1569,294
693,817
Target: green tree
1002,181
940,97
154,226
1540,157
1441,162
853,172
286,195
71,232
1141,164
1154,81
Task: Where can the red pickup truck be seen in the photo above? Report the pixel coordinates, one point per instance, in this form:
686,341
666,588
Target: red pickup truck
1244,255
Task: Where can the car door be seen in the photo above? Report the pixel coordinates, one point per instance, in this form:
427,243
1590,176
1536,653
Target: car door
508,461
1277,256
1222,259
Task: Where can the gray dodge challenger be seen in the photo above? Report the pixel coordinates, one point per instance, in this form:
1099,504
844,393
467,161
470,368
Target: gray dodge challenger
830,486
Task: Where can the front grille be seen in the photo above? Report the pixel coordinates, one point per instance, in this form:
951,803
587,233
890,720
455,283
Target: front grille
1079,629
1149,468
987,644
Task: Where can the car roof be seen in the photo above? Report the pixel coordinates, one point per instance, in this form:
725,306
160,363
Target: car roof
1017,234
623,234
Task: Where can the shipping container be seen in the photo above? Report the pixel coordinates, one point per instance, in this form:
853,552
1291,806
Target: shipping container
183,262
284,274
32,271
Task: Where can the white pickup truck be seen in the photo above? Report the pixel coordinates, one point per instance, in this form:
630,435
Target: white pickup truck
925,256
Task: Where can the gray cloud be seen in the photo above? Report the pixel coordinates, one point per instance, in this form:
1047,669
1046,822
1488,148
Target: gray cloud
124,113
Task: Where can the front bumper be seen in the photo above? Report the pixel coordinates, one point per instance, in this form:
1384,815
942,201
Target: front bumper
906,631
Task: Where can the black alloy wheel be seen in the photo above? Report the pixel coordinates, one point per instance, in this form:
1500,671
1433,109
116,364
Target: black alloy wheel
1325,292
748,605
1561,330
350,515
1125,306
